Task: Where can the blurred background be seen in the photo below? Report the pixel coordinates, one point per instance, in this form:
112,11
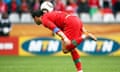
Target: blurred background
101,17
19,36
90,11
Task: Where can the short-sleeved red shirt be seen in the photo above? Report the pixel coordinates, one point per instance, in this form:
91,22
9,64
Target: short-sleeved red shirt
70,25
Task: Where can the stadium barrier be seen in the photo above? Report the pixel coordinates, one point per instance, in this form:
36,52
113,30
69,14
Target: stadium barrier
9,45
32,43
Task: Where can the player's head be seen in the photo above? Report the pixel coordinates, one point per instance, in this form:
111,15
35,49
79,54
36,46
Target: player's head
37,16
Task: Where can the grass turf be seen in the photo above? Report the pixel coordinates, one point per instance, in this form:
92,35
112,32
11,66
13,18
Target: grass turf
58,64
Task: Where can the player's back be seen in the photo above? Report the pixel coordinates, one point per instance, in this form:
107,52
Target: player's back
57,17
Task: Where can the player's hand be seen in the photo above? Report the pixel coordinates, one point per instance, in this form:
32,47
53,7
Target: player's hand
67,41
91,36
64,38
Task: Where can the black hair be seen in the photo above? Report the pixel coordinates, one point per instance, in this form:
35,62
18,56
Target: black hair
45,10
37,13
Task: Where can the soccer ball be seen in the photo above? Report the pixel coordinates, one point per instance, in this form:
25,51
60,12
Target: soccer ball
47,5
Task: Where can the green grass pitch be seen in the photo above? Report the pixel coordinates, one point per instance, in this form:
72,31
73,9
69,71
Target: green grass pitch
58,64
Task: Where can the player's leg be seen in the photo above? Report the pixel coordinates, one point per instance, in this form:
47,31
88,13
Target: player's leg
74,32
73,45
76,59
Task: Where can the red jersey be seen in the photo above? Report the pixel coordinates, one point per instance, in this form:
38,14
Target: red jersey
54,19
69,24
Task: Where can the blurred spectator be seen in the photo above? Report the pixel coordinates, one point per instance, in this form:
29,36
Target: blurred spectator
107,3
113,2
83,7
94,5
24,6
13,6
106,9
5,25
3,7
7,1
71,7
31,4
116,7
110,2
59,6
36,5
78,2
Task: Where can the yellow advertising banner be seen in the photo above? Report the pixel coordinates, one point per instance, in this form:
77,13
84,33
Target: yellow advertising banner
30,46
22,52
108,43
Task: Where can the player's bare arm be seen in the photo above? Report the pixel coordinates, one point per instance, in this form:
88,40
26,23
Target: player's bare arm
87,34
64,38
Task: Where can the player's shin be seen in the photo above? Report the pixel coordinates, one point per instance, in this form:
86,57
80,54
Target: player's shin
76,60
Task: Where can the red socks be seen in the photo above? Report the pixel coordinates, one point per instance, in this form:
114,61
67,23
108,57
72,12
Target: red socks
76,57
74,43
